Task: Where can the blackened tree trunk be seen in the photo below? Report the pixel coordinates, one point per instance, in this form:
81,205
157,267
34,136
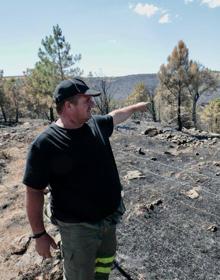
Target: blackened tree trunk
51,114
153,110
179,120
3,113
194,117
16,115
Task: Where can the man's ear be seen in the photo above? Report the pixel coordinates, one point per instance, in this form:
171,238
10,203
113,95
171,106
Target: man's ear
67,105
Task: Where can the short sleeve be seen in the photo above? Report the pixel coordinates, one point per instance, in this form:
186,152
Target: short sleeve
36,174
105,124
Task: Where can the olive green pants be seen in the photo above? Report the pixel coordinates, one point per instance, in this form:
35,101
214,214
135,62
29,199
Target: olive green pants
88,250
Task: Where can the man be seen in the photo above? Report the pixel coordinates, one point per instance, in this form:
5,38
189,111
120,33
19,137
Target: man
73,157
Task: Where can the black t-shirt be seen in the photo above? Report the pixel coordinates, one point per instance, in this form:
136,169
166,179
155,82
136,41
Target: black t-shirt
79,167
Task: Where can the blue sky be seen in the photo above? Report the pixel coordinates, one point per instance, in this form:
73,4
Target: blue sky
115,37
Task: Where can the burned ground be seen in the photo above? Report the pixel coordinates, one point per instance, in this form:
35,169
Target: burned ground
171,229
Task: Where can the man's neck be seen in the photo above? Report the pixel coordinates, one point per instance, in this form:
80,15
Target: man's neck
69,124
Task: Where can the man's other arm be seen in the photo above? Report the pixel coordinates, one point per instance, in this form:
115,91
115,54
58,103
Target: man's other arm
34,208
122,114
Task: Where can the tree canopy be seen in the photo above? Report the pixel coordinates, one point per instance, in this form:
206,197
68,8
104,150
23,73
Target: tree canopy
56,63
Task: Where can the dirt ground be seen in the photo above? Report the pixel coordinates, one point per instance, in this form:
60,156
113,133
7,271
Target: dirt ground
171,229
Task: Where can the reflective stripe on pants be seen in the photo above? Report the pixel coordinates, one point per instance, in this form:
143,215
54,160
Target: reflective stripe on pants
104,265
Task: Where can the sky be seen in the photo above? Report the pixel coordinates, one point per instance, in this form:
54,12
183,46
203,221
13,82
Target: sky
114,37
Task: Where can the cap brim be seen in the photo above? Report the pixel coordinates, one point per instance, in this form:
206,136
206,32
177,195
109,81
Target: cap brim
92,92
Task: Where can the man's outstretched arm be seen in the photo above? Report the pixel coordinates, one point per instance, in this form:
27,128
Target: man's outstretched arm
122,114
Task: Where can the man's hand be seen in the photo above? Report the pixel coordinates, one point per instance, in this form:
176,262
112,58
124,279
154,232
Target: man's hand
43,245
142,106
120,115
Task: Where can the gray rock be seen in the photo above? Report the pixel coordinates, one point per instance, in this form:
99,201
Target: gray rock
152,131
20,245
212,228
134,174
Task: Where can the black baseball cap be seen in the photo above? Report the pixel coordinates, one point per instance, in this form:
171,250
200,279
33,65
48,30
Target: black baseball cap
70,88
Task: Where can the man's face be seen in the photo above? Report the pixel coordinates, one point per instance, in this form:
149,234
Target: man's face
82,110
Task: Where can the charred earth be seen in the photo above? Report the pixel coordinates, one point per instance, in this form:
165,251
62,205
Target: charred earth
171,229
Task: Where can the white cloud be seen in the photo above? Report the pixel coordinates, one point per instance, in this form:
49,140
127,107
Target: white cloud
164,19
146,9
211,3
151,10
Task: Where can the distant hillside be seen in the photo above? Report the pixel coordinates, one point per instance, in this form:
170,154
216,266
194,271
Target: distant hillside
207,97
123,86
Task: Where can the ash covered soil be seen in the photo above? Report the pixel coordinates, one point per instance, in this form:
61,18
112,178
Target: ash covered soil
171,229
